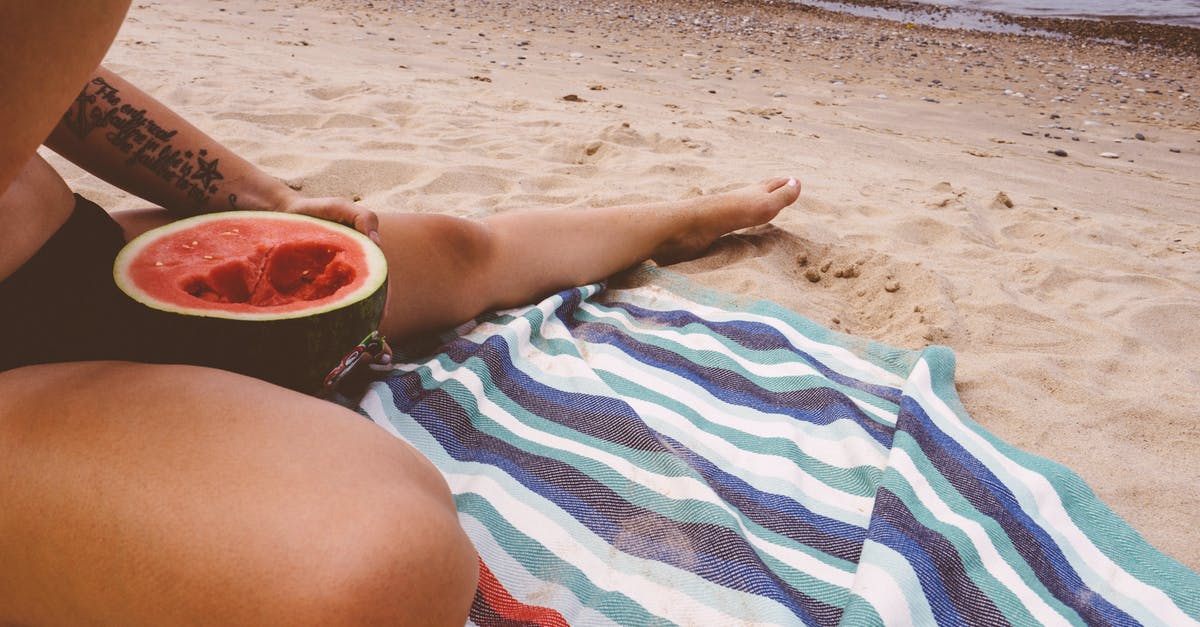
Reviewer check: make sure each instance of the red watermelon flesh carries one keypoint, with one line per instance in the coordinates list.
(237, 265)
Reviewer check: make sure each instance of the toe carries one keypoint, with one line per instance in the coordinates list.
(787, 192)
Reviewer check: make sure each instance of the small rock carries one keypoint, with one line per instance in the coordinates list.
(573, 98)
(1002, 200)
(576, 55)
(357, 198)
(812, 275)
(1140, 137)
(1175, 150)
(892, 286)
(835, 320)
(597, 87)
(825, 266)
(1110, 155)
(1058, 152)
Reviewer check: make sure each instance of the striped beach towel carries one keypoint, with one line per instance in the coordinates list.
(662, 454)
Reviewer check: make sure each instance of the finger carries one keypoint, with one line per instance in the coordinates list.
(367, 222)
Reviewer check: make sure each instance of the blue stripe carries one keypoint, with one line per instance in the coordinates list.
(757, 336)
(990, 497)
(714, 552)
(614, 421)
(819, 405)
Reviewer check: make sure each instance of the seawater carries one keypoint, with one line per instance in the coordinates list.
(1183, 12)
(974, 14)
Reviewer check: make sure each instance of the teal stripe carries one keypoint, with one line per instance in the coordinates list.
(1109, 533)
(712, 358)
(1008, 601)
(860, 481)
(546, 566)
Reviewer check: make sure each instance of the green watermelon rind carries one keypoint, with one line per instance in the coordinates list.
(292, 349)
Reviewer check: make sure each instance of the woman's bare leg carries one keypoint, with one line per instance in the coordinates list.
(446, 270)
(160, 495)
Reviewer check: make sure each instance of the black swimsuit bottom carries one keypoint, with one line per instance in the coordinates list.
(63, 304)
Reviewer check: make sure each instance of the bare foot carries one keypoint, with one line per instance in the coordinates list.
(714, 216)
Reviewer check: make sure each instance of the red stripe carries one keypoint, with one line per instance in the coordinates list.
(502, 603)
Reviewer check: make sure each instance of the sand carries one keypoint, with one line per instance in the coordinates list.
(934, 209)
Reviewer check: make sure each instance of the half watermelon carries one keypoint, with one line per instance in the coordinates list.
(280, 297)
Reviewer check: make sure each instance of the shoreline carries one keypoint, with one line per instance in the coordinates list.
(1129, 31)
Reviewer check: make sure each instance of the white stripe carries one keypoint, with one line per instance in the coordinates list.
(876, 586)
(678, 488)
(705, 342)
(853, 449)
(524, 585)
(830, 355)
(615, 570)
(1048, 507)
(989, 557)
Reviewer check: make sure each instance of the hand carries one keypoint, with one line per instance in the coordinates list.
(337, 210)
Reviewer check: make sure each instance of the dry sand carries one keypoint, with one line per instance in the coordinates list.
(933, 212)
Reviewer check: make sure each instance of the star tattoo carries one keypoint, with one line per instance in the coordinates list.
(207, 172)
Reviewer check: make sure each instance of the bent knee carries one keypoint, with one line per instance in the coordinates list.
(409, 564)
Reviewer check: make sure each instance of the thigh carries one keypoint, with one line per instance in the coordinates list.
(138, 494)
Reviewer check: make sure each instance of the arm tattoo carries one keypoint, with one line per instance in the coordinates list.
(145, 143)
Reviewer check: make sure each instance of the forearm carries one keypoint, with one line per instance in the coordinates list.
(124, 136)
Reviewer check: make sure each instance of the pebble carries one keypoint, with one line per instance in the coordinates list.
(1110, 155)
(847, 273)
(1175, 150)
(1058, 153)
(891, 286)
(812, 275)
(1140, 137)
(573, 98)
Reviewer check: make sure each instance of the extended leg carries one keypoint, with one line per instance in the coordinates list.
(447, 270)
(162, 495)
